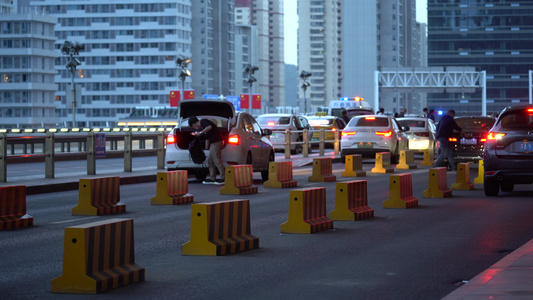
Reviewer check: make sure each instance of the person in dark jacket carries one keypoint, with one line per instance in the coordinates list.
(214, 137)
(345, 117)
(445, 130)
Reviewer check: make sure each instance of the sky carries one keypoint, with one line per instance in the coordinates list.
(291, 27)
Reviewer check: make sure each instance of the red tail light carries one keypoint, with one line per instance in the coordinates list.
(370, 118)
(384, 133)
(426, 134)
(233, 139)
(530, 110)
(171, 139)
(495, 136)
(271, 123)
(333, 129)
(452, 139)
(347, 133)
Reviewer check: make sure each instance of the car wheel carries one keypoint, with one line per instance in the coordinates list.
(507, 187)
(343, 156)
(395, 158)
(297, 148)
(491, 188)
(264, 174)
(248, 159)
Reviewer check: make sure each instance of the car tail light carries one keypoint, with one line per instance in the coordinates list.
(233, 139)
(384, 133)
(171, 139)
(347, 133)
(333, 129)
(495, 136)
(490, 173)
(271, 123)
(483, 139)
(370, 118)
(452, 139)
(426, 134)
(530, 110)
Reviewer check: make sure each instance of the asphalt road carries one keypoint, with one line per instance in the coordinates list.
(419, 253)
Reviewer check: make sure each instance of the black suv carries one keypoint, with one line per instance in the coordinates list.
(469, 148)
(508, 154)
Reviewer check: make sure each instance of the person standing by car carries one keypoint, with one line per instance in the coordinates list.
(345, 117)
(444, 131)
(214, 138)
(402, 113)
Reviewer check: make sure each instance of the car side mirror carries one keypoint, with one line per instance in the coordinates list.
(405, 128)
(267, 131)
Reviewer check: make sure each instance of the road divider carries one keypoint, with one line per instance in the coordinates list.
(220, 228)
(322, 170)
(407, 160)
(428, 159)
(351, 202)
(172, 188)
(463, 178)
(99, 196)
(98, 257)
(13, 208)
(383, 165)
(280, 175)
(354, 166)
(400, 192)
(307, 211)
(480, 173)
(239, 180)
(437, 184)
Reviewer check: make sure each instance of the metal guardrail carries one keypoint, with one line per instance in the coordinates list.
(42, 147)
(305, 142)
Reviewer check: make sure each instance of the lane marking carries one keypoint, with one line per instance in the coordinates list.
(74, 220)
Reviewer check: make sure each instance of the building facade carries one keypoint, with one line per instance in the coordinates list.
(495, 36)
(129, 57)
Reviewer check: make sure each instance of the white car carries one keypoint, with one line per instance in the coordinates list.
(370, 134)
(278, 123)
(421, 133)
(245, 142)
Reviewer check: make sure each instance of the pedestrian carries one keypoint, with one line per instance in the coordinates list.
(214, 138)
(445, 131)
(381, 111)
(402, 113)
(345, 117)
(431, 115)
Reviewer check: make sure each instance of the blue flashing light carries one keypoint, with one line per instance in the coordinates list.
(440, 112)
(345, 98)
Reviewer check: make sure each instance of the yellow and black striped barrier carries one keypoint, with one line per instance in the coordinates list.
(407, 160)
(172, 188)
(400, 192)
(307, 211)
(239, 180)
(480, 179)
(220, 228)
(99, 196)
(98, 257)
(322, 170)
(463, 178)
(280, 175)
(428, 159)
(383, 165)
(353, 166)
(351, 202)
(13, 208)
(437, 184)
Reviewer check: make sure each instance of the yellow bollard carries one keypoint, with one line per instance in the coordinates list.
(400, 192)
(322, 170)
(220, 228)
(438, 184)
(239, 180)
(480, 173)
(99, 196)
(463, 178)
(307, 211)
(280, 175)
(428, 158)
(353, 166)
(351, 202)
(407, 160)
(383, 163)
(172, 188)
(13, 208)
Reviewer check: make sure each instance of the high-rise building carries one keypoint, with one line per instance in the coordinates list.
(213, 47)
(267, 17)
(27, 59)
(129, 57)
(495, 36)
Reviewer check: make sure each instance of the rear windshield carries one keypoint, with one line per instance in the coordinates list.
(273, 120)
(412, 123)
(219, 121)
(370, 122)
(357, 112)
(475, 123)
(320, 121)
(517, 119)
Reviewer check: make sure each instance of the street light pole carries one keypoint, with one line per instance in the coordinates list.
(72, 49)
(305, 76)
(182, 63)
(251, 79)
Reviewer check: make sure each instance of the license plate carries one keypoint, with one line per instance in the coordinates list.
(468, 141)
(525, 147)
(365, 145)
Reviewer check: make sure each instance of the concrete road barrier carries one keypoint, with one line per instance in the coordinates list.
(99, 196)
(463, 178)
(351, 202)
(322, 170)
(407, 160)
(480, 173)
(239, 180)
(400, 192)
(353, 166)
(220, 228)
(307, 211)
(428, 159)
(172, 188)
(383, 165)
(98, 257)
(437, 184)
(280, 175)
(13, 208)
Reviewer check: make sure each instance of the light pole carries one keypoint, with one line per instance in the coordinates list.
(72, 49)
(182, 63)
(305, 76)
(249, 70)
